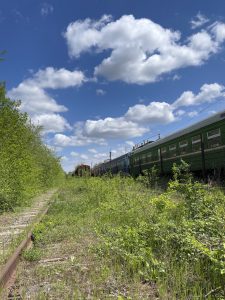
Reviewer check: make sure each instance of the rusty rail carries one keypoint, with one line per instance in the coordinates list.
(10, 266)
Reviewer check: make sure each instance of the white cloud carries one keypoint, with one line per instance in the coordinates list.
(139, 118)
(46, 9)
(92, 150)
(179, 113)
(198, 21)
(64, 158)
(218, 30)
(57, 79)
(176, 77)
(130, 143)
(55, 149)
(100, 156)
(100, 92)
(192, 114)
(63, 140)
(208, 93)
(35, 100)
(51, 122)
(84, 156)
(113, 128)
(73, 153)
(86, 33)
(155, 112)
(141, 50)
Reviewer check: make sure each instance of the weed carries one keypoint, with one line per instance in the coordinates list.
(32, 254)
(126, 240)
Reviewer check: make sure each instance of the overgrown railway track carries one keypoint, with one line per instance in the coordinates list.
(17, 236)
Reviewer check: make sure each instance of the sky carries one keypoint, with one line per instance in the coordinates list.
(102, 76)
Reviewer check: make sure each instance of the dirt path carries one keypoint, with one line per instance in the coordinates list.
(14, 225)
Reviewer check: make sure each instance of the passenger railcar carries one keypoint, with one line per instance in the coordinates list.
(201, 145)
(113, 166)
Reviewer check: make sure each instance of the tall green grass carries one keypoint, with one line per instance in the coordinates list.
(176, 239)
(169, 242)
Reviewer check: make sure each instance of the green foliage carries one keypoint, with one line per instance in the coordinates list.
(32, 254)
(27, 166)
(181, 172)
(149, 178)
(176, 238)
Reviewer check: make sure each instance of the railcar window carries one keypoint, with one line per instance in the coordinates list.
(173, 150)
(183, 145)
(196, 139)
(143, 158)
(172, 147)
(214, 138)
(149, 157)
(196, 143)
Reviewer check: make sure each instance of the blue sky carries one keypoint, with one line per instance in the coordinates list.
(104, 75)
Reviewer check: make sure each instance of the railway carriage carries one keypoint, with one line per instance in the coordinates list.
(114, 166)
(201, 145)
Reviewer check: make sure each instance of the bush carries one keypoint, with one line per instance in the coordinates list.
(27, 166)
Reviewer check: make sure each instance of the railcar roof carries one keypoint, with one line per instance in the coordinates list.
(213, 119)
(121, 157)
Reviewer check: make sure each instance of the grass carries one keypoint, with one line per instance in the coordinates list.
(112, 238)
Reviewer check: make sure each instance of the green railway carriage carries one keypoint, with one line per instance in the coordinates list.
(201, 145)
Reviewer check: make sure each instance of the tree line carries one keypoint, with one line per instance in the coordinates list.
(27, 166)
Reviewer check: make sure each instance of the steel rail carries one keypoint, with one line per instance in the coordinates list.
(10, 267)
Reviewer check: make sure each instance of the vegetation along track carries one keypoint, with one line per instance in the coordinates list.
(113, 238)
(16, 235)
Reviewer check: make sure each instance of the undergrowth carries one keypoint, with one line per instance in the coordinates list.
(172, 240)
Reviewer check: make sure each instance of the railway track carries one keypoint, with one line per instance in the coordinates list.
(15, 236)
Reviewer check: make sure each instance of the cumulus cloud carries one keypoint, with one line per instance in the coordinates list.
(113, 128)
(208, 93)
(63, 140)
(134, 123)
(218, 30)
(198, 21)
(155, 112)
(139, 118)
(141, 50)
(56, 79)
(51, 122)
(35, 100)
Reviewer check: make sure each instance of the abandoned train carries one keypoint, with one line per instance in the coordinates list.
(201, 145)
